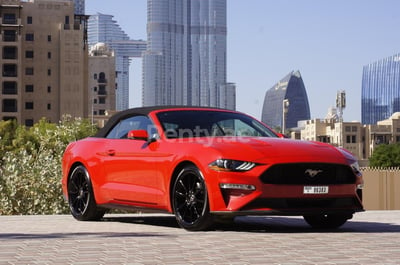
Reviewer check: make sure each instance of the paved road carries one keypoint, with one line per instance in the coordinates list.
(372, 237)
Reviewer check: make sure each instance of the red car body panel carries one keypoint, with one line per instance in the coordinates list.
(138, 173)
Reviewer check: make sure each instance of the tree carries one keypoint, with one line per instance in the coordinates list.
(386, 155)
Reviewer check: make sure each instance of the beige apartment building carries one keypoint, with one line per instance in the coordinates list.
(102, 84)
(360, 139)
(44, 61)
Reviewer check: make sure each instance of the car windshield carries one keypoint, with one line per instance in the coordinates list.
(206, 123)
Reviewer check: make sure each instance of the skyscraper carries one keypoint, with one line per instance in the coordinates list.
(185, 60)
(380, 90)
(103, 28)
(79, 6)
(292, 89)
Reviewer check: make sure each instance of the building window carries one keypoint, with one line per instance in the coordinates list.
(95, 101)
(29, 20)
(28, 105)
(49, 55)
(67, 20)
(10, 105)
(29, 37)
(351, 139)
(10, 52)
(48, 89)
(102, 78)
(9, 18)
(102, 112)
(49, 72)
(102, 90)
(9, 70)
(9, 88)
(10, 35)
(354, 128)
(102, 100)
(49, 106)
(48, 38)
(29, 54)
(95, 76)
(28, 88)
(29, 71)
(7, 118)
(29, 122)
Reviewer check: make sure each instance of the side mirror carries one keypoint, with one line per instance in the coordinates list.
(138, 135)
(281, 135)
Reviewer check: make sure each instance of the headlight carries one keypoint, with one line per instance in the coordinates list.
(231, 165)
(356, 168)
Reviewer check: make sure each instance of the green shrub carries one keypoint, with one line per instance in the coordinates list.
(30, 165)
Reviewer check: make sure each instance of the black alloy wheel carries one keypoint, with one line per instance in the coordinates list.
(190, 200)
(327, 221)
(81, 199)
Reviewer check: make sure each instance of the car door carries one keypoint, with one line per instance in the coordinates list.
(129, 165)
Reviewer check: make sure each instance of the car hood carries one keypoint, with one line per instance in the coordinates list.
(264, 149)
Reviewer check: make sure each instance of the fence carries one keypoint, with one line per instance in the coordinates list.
(381, 188)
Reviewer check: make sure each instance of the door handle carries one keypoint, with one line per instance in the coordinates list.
(111, 152)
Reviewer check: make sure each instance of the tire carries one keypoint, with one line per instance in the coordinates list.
(327, 221)
(81, 199)
(190, 200)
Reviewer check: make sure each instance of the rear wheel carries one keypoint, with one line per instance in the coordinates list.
(327, 221)
(190, 200)
(81, 199)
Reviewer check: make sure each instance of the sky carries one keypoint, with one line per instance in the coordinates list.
(329, 42)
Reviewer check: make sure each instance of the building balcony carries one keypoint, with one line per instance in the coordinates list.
(10, 22)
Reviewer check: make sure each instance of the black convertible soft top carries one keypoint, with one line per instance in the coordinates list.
(138, 111)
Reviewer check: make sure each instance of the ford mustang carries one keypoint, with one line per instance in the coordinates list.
(206, 165)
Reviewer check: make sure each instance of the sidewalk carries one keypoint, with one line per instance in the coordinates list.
(371, 237)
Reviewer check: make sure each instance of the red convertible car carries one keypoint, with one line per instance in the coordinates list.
(205, 165)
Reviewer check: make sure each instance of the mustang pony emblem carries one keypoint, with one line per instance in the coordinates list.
(312, 172)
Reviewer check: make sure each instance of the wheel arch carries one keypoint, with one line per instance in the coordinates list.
(174, 175)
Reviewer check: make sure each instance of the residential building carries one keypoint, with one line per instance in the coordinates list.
(185, 60)
(101, 83)
(103, 28)
(359, 139)
(43, 51)
(380, 96)
(286, 103)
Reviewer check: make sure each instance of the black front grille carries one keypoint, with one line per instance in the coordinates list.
(308, 174)
(303, 204)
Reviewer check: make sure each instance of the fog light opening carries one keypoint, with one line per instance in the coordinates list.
(234, 186)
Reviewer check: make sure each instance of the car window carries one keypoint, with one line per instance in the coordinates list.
(182, 124)
(140, 122)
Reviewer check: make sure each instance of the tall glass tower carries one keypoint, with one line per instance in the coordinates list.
(185, 61)
(380, 90)
(79, 6)
(291, 89)
(103, 28)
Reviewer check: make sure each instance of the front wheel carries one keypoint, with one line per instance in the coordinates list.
(190, 200)
(81, 199)
(327, 221)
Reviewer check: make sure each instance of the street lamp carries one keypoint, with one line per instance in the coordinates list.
(285, 108)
